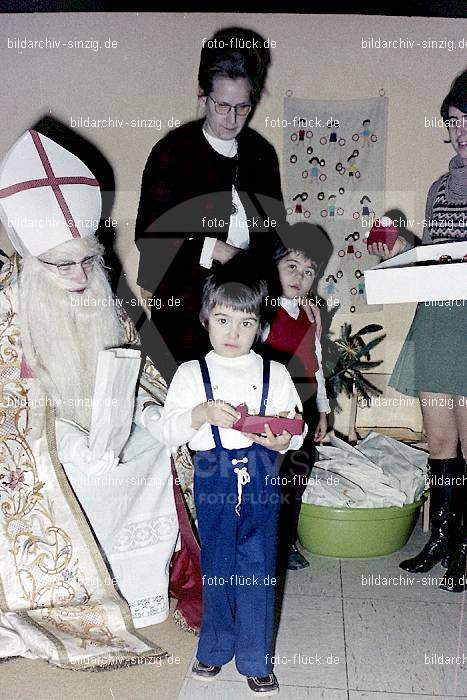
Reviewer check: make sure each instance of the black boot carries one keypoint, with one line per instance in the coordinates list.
(445, 514)
(455, 577)
(296, 560)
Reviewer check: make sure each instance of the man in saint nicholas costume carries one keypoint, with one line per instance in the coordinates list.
(86, 541)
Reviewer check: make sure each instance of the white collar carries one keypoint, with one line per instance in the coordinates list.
(292, 306)
(241, 361)
(226, 148)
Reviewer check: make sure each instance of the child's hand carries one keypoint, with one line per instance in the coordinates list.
(274, 442)
(321, 428)
(218, 413)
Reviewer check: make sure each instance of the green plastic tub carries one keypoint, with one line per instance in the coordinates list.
(356, 533)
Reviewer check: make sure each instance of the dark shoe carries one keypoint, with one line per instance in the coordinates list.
(204, 673)
(264, 685)
(295, 560)
(445, 515)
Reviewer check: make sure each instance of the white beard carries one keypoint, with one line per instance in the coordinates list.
(61, 342)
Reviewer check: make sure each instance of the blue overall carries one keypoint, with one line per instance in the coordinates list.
(237, 508)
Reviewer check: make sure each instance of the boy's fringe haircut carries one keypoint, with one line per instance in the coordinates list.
(234, 295)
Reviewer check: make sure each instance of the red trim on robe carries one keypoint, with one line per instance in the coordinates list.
(185, 583)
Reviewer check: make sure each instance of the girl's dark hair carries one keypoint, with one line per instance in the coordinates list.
(456, 97)
(310, 240)
(225, 56)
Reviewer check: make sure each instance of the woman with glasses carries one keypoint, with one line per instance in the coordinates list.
(210, 189)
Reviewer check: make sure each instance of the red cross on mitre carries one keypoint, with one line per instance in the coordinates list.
(47, 195)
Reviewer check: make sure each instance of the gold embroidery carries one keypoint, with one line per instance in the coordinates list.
(87, 622)
(50, 579)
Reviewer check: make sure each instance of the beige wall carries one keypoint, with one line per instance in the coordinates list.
(151, 74)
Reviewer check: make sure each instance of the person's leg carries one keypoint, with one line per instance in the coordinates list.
(293, 466)
(455, 576)
(442, 433)
(460, 416)
(255, 567)
(304, 465)
(300, 466)
(301, 463)
(439, 421)
(214, 488)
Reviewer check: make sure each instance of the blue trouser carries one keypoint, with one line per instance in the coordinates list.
(237, 520)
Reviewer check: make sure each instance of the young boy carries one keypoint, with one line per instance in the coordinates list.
(293, 338)
(236, 489)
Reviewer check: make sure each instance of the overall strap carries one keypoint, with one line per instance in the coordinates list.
(266, 375)
(209, 397)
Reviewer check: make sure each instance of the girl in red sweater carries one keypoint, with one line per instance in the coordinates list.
(293, 338)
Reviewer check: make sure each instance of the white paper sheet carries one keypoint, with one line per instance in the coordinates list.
(378, 472)
(114, 399)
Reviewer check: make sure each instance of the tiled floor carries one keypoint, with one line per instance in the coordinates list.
(346, 634)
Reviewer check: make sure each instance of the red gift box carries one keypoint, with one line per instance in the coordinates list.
(256, 424)
(381, 233)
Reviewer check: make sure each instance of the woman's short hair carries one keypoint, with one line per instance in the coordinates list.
(238, 296)
(234, 52)
(456, 97)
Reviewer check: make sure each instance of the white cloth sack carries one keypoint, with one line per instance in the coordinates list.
(326, 488)
(385, 470)
(405, 463)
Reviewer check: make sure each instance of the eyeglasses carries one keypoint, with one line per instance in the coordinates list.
(66, 269)
(224, 108)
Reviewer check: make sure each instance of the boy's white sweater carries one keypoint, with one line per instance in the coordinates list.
(235, 380)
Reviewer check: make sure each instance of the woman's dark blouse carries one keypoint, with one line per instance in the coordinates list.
(184, 180)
